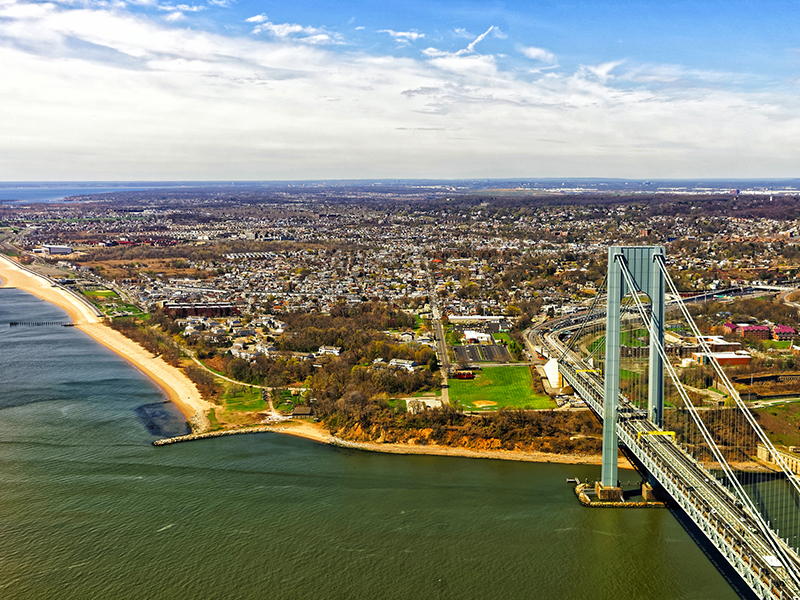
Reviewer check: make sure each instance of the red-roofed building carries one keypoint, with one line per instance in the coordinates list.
(783, 333)
(758, 332)
(730, 327)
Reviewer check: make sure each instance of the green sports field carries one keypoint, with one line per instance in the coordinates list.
(497, 387)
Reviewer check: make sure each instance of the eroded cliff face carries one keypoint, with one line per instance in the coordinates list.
(455, 437)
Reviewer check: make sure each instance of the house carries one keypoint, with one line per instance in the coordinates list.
(303, 412)
(238, 351)
(402, 363)
(330, 350)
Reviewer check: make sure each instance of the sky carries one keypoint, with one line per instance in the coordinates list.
(215, 90)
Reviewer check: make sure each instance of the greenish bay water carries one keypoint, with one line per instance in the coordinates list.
(89, 509)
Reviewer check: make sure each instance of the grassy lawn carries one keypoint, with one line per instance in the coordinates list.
(776, 344)
(129, 308)
(502, 337)
(781, 423)
(108, 302)
(397, 403)
(239, 398)
(504, 387)
(625, 375)
(212, 417)
(598, 343)
(100, 293)
(634, 338)
(453, 337)
(284, 402)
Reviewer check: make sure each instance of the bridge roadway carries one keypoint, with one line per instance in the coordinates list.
(717, 513)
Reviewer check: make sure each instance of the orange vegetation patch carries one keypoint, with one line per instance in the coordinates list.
(482, 403)
(216, 363)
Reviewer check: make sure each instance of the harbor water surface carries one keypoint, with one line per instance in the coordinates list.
(90, 509)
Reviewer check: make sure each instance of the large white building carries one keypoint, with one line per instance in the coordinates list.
(53, 249)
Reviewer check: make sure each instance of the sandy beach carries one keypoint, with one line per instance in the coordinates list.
(178, 387)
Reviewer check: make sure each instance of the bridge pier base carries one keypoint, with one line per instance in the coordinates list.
(608, 493)
(648, 493)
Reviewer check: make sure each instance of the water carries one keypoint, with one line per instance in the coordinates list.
(53, 193)
(89, 509)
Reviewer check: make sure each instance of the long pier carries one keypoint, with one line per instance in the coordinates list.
(40, 324)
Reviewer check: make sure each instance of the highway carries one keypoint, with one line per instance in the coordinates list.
(763, 561)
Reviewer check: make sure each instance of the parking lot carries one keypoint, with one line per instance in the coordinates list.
(473, 353)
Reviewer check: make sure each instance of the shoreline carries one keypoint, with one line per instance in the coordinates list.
(180, 390)
(315, 432)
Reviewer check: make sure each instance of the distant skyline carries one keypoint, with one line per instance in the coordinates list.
(226, 90)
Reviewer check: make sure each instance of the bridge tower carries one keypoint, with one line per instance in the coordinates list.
(648, 279)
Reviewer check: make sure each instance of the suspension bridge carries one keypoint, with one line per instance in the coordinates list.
(711, 456)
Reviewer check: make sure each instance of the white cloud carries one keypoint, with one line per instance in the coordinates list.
(181, 7)
(539, 54)
(434, 52)
(602, 71)
(257, 18)
(300, 33)
(139, 98)
(403, 37)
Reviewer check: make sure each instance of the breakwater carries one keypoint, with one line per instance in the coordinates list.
(214, 434)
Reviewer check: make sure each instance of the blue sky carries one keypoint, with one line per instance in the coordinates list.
(225, 89)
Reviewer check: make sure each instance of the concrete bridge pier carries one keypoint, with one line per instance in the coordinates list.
(608, 493)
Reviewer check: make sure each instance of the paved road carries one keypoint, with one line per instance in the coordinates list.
(441, 345)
